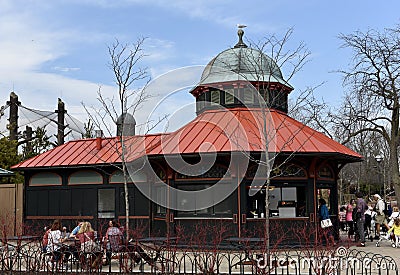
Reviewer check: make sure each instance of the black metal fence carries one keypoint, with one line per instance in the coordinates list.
(28, 256)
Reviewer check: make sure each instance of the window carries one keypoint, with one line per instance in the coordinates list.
(284, 202)
(229, 96)
(193, 201)
(325, 172)
(85, 177)
(325, 193)
(106, 203)
(248, 97)
(45, 178)
(161, 196)
(160, 173)
(118, 177)
(201, 101)
(264, 92)
(215, 97)
(288, 170)
(217, 171)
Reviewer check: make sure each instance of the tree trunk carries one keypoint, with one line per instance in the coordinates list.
(126, 190)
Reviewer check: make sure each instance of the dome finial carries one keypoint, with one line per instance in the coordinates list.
(240, 33)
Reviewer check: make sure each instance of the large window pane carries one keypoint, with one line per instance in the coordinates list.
(221, 208)
(106, 203)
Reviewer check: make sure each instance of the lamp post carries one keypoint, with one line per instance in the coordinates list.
(379, 159)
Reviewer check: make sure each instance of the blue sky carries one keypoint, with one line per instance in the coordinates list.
(51, 49)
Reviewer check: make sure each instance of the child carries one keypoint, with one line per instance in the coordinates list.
(396, 230)
(45, 239)
(342, 218)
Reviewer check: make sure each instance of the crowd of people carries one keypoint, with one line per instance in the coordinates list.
(86, 239)
(375, 219)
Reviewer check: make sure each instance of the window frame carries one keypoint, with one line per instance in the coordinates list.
(57, 176)
(85, 183)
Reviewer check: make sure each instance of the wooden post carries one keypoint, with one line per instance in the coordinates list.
(28, 139)
(60, 122)
(13, 119)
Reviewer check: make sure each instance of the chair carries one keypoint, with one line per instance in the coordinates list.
(90, 261)
(89, 255)
(114, 247)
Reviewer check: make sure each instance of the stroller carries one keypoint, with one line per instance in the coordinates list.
(369, 225)
(387, 237)
(394, 240)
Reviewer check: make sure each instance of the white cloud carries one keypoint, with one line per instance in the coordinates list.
(27, 44)
(64, 69)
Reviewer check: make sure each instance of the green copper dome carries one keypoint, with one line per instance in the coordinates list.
(242, 63)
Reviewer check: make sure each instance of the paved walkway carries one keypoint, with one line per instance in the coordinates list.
(385, 248)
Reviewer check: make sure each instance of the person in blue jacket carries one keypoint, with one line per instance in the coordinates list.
(323, 215)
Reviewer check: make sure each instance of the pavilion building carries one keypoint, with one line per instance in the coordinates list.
(242, 113)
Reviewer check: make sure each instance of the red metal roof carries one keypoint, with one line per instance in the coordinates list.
(241, 129)
(86, 152)
(222, 130)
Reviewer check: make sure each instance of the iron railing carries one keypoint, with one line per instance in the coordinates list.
(29, 257)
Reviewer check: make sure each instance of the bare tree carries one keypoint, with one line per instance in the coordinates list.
(372, 100)
(291, 61)
(260, 66)
(125, 64)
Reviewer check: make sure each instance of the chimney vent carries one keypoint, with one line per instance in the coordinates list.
(99, 139)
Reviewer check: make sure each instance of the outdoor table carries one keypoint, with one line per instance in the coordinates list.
(68, 247)
(160, 241)
(253, 242)
(158, 244)
(20, 241)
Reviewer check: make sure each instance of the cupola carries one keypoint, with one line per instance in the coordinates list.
(242, 76)
(126, 125)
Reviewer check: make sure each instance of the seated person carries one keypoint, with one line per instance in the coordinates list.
(112, 240)
(64, 233)
(74, 231)
(54, 239)
(45, 239)
(86, 238)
